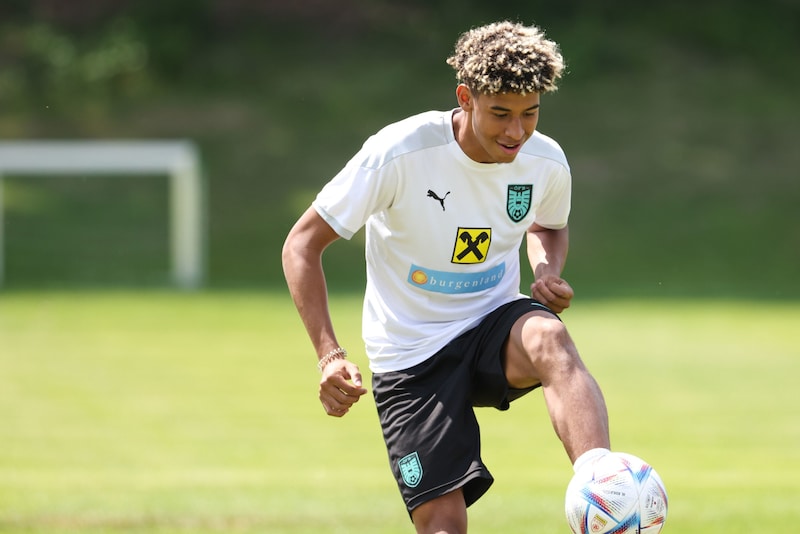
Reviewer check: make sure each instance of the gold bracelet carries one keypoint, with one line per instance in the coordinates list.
(336, 354)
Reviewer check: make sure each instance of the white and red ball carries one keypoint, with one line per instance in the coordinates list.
(617, 493)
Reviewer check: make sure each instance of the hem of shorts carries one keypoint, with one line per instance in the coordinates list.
(458, 483)
(378, 368)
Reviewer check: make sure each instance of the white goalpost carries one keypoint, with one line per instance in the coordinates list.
(178, 160)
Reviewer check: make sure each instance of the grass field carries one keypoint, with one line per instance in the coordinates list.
(161, 412)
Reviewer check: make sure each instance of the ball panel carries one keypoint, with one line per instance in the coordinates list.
(617, 493)
(653, 503)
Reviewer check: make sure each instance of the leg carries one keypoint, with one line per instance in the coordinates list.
(540, 351)
(444, 515)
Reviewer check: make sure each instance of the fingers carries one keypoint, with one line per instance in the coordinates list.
(340, 387)
(554, 293)
(337, 403)
(560, 288)
(355, 377)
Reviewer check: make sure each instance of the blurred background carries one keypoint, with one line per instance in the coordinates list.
(679, 120)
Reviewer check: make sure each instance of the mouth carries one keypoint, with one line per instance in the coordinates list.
(510, 148)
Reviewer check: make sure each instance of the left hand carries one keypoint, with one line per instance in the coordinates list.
(553, 292)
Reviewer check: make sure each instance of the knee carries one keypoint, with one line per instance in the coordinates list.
(443, 515)
(539, 348)
(546, 338)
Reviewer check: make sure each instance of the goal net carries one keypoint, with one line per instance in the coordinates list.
(177, 160)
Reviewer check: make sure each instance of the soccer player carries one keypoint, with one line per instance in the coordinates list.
(447, 198)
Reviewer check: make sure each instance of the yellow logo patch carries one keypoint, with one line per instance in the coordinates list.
(472, 245)
(597, 524)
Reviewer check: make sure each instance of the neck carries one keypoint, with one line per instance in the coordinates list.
(461, 131)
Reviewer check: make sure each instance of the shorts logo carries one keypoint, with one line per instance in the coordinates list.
(518, 202)
(472, 245)
(410, 469)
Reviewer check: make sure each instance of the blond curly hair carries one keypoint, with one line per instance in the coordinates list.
(507, 57)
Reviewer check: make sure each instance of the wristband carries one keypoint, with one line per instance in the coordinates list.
(336, 354)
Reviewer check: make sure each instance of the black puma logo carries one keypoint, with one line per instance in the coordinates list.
(434, 195)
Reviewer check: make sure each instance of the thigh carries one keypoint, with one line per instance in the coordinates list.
(487, 344)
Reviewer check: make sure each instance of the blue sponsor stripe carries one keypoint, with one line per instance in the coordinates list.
(455, 283)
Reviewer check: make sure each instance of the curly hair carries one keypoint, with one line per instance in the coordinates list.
(507, 57)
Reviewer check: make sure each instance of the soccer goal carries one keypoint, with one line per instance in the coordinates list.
(178, 160)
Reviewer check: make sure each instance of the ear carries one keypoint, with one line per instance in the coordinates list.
(464, 97)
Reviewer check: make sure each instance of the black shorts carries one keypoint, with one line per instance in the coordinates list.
(427, 415)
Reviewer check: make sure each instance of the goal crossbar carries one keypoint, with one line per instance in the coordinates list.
(176, 159)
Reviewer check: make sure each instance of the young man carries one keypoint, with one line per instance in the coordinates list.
(446, 199)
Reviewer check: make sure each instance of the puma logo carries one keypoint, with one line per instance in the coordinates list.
(434, 195)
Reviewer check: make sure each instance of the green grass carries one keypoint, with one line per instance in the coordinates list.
(161, 412)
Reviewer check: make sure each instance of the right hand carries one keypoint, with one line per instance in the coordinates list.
(340, 387)
(554, 292)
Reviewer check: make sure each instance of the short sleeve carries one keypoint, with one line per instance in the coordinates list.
(553, 212)
(361, 189)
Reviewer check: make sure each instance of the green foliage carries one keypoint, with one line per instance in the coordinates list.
(678, 122)
(53, 67)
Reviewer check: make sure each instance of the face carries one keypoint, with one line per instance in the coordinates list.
(494, 127)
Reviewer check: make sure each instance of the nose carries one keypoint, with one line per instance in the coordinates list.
(514, 129)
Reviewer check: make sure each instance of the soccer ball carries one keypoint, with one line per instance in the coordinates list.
(617, 493)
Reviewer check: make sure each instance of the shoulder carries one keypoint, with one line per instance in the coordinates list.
(410, 135)
(542, 146)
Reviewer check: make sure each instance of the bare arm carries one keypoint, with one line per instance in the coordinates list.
(547, 253)
(340, 386)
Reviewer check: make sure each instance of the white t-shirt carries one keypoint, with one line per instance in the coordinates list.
(443, 232)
